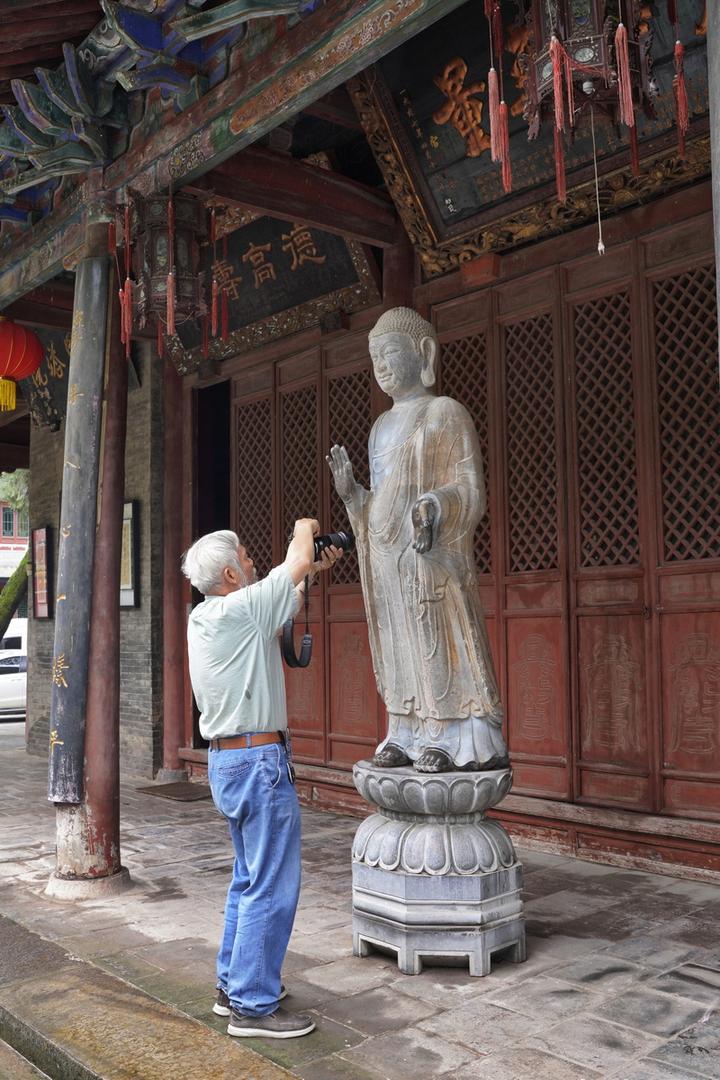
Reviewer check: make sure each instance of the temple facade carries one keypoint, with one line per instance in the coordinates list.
(267, 187)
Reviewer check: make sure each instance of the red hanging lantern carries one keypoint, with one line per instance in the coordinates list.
(21, 353)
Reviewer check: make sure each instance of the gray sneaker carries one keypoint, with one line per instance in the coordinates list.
(222, 1003)
(278, 1025)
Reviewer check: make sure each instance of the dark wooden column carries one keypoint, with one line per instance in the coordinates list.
(173, 607)
(102, 727)
(77, 524)
(84, 738)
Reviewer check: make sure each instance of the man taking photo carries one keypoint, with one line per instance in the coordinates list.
(237, 678)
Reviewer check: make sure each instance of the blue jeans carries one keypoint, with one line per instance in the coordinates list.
(252, 789)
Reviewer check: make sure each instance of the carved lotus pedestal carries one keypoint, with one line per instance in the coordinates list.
(432, 876)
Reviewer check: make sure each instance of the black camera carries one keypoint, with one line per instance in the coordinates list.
(344, 540)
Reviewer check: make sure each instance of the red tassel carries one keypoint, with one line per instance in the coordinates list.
(214, 307)
(556, 55)
(127, 240)
(682, 106)
(160, 342)
(205, 342)
(494, 112)
(225, 314)
(497, 32)
(121, 298)
(622, 59)
(127, 314)
(570, 87)
(170, 305)
(171, 232)
(672, 12)
(505, 148)
(634, 151)
(560, 167)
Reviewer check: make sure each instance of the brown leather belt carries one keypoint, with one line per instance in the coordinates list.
(241, 742)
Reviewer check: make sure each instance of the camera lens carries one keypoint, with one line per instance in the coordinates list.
(344, 540)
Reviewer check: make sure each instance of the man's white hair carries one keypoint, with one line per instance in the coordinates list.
(204, 562)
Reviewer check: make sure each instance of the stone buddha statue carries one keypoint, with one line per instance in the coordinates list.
(414, 531)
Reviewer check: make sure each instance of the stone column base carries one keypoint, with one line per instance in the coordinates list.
(88, 888)
(432, 876)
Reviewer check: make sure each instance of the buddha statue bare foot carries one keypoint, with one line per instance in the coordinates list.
(390, 757)
(497, 761)
(434, 760)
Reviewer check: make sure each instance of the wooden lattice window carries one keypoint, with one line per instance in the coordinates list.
(350, 415)
(531, 449)
(686, 347)
(299, 422)
(464, 377)
(253, 479)
(607, 473)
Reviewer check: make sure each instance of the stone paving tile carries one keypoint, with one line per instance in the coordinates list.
(648, 1010)
(545, 997)
(598, 971)
(697, 1049)
(564, 905)
(378, 1010)
(481, 1027)
(351, 976)
(328, 1038)
(594, 1043)
(408, 1054)
(691, 981)
(335, 944)
(333, 1068)
(649, 951)
(303, 995)
(688, 930)
(653, 1070)
(521, 1064)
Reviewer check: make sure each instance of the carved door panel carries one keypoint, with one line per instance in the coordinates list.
(355, 713)
(683, 317)
(298, 482)
(611, 632)
(464, 375)
(252, 467)
(533, 551)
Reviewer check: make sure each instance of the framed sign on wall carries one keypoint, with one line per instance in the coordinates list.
(41, 566)
(129, 577)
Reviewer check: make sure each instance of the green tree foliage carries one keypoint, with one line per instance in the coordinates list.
(13, 592)
(14, 489)
(14, 492)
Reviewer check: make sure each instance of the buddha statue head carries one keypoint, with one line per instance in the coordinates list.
(404, 349)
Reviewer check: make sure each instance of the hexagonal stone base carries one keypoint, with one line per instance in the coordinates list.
(452, 917)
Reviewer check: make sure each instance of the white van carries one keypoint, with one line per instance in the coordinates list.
(16, 636)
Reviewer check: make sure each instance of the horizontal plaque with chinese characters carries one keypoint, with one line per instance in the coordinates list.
(275, 278)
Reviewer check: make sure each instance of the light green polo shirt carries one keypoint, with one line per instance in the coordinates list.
(234, 655)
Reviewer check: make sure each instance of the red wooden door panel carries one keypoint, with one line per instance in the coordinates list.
(611, 633)
(533, 553)
(298, 442)
(683, 309)
(355, 717)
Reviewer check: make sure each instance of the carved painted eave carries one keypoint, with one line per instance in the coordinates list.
(77, 117)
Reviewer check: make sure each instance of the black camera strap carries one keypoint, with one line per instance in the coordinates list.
(288, 637)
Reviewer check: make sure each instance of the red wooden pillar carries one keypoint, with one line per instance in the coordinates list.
(173, 606)
(102, 735)
(398, 272)
(88, 833)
